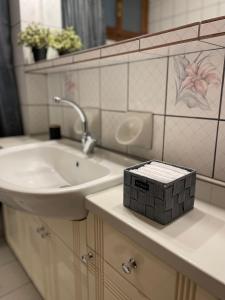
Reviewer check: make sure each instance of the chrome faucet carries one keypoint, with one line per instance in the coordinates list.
(88, 142)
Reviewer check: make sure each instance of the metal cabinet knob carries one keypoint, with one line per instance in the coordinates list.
(45, 234)
(129, 266)
(40, 229)
(87, 257)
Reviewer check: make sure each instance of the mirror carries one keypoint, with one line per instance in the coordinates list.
(100, 22)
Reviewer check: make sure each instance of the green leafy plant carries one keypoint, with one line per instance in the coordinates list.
(65, 40)
(34, 36)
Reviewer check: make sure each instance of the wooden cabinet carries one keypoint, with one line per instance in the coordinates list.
(37, 253)
(89, 260)
(125, 18)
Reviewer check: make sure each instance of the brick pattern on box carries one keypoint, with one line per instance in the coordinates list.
(160, 202)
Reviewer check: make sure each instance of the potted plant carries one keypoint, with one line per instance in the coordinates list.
(36, 37)
(65, 41)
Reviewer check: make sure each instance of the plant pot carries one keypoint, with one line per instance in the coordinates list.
(39, 53)
(63, 52)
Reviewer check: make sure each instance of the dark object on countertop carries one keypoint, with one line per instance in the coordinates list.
(161, 202)
(54, 132)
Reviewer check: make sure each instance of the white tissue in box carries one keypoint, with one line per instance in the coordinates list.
(161, 172)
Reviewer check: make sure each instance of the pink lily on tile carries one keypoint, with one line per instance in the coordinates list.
(193, 80)
(199, 77)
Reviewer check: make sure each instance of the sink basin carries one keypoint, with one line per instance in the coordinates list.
(52, 178)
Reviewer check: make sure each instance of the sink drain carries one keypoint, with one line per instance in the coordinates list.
(64, 186)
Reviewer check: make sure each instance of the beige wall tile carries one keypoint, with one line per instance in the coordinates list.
(114, 87)
(147, 85)
(191, 143)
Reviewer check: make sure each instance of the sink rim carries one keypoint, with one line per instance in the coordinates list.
(71, 147)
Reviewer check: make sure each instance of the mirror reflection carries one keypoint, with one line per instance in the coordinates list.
(100, 22)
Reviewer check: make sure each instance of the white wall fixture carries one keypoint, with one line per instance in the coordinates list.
(135, 129)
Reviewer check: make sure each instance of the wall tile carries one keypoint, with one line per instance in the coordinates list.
(194, 84)
(55, 115)
(31, 11)
(109, 120)
(191, 143)
(94, 124)
(55, 87)
(36, 119)
(37, 92)
(89, 87)
(157, 142)
(114, 87)
(48, 17)
(147, 85)
(220, 153)
(70, 116)
(70, 86)
(120, 48)
(222, 112)
(21, 83)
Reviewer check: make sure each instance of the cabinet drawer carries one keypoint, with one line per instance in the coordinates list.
(151, 276)
(116, 287)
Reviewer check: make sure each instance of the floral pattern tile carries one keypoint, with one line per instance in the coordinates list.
(191, 142)
(194, 84)
(70, 86)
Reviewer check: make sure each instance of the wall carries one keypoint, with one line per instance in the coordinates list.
(22, 13)
(165, 14)
(183, 92)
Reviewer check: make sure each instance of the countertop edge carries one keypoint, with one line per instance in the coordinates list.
(203, 279)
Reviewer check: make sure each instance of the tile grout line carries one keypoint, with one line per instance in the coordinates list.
(8, 263)
(218, 121)
(19, 287)
(165, 109)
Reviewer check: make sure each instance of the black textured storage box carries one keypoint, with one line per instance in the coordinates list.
(161, 202)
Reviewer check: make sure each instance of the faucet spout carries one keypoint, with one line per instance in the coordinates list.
(78, 109)
(88, 142)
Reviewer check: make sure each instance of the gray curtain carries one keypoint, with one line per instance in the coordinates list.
(10, 117)
(86, 16)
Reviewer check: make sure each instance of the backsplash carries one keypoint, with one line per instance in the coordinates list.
(183, 92)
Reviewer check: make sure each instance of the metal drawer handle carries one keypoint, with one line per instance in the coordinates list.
(129, 266)
(87, 257)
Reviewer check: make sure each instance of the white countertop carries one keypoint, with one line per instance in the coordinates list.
(193, 244)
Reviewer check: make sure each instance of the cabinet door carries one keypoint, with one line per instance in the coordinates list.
(37, 250)
(61, 270)
(12, 228)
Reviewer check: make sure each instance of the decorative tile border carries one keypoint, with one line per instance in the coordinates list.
(120, 48)
(169, 37)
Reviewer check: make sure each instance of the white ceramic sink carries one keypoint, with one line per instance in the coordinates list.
(52, 178)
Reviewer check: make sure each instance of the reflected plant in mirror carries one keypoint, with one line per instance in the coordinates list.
(65, 41)
(36, 37)
(193, 79)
